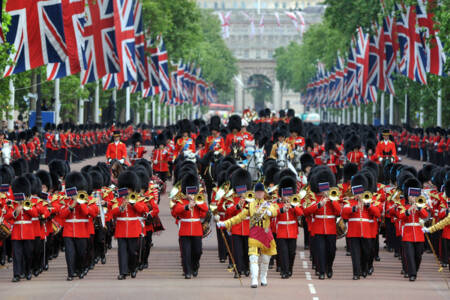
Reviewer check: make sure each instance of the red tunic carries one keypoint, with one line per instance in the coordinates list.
(323, 217)
(189, 220)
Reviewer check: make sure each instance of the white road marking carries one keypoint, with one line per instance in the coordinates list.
(302, 255)
(312, 289)
(308, 275)
(305, 264)
(315, 298)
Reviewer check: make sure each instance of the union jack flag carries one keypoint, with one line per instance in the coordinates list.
(37, 33)
(339, 83)
(153, 71)
(100, 54)
(163, 67)
(362, 65)
(436, 56)
(2, 37)
(391, 49)
(141, 60)
(74, 19)
(377, 59)
(350, 78)
(124, 20)
(412, 50)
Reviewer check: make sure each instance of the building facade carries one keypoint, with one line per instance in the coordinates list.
(253, 31)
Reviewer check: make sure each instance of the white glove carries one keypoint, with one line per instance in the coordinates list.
(269, 213)
(220, 224)
(155, 162)
(109, 160)
(426, 229)
(380, 159)
(122, 161)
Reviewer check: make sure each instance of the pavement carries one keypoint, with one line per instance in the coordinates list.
(164, 280)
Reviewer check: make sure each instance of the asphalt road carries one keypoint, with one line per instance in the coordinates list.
(164, 280)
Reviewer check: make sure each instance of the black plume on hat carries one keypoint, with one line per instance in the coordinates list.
(129, 180)
(21, 185)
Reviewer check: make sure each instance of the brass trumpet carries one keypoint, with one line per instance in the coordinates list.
(249, 196)
(27, 205)
(366, 197)
(133, 198)
(421, 201)
(82, 197)
(334, 194)
(294, 200)
(199, 198)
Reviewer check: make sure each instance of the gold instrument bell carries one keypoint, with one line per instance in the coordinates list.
(295, 200)
(27, 205)
(199, 198)
(421, 201)
(366, 197)
(82, 197)
(133, 198)
(334, 194)
(249, 196)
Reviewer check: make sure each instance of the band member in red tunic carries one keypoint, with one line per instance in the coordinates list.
(160, 158)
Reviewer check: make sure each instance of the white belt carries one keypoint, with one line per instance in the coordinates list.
(128, 219)
(34, 219)
(413, 224)
(22, 222)
(324, 217)
(190, 220)
(77, 220)
(287, 222)
(221, 214)
(360, 220)
(331, 165)
(248, 218)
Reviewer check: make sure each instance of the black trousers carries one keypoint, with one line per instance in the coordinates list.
(221, 244)
(306, 239)
(445, 250)
(360, 249)
(326, 251)
(240, 252)
(100, 242)
(286, 254)
(22, 256)
(147, 246)
(191, 252)
(413, 256)
(162, 175)
(76, 252)
(91, 250)
(390, 233)
(128, 254)
(38, 253)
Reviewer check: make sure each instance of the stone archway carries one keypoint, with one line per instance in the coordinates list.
(249, 69)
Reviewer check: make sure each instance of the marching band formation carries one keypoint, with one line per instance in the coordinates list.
(258, 178)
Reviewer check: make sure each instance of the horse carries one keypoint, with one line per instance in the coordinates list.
(282, 156)
(236, 151)
(254, 159)
(298, 152)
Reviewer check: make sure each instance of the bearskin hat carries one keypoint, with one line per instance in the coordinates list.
(88, 178)
(425, 173)
(214, 123)
(200, 140)
(290, 113)
(402, 178)
(189, 179)
(350, 169)
(76, 179)
(309, 143)
(57, 167)
(410, 183)
(330, 145)
(287, 172)
(270, 162)
(447, 188)
(235, 122)
(35, 183)
(241, 177)
(143, 178)
(296, 125)
(322, 175)
(185, 126)
(21, 185)
(97, 179)
(20, 166)
(371, 144)
(306, 160)
(45, 178)
(371, 179)
(278, 133)
(129, 180)
(221, 178)
(231, 170)
(6, 174)
(282, 113)
(373, 166)
(136, 137)
(269, 175)
(360, 179)
(267, 112)
(287, 182)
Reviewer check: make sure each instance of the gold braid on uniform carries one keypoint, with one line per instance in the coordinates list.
(440, 225)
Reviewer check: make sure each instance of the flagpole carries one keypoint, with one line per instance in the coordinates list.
(391, 109)
(153, 111)
(114, 97)
(146, 111)
(382, 109)
(57, 101)
(343, 116)
(359, 114)
(406, 108)
(11, 105)
(354, 114)
(439, 106)
(96, 103)
(127, 104)
(365, 115)
(159, 113)
(81, 109)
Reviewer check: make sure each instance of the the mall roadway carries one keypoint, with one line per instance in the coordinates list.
(163, 280)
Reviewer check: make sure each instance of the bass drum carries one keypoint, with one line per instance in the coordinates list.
(341, 228)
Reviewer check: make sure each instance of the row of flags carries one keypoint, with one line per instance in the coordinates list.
(100, 40)
(296, 17)
(406, 43)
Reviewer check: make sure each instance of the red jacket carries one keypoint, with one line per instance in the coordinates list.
(138, 153)
(360, 221)
(43, 213)
(184, 144)
(286, 222)
(242, 228)
(160, 159)
(153, 194)
(118, 151)
(215, 144)
(189, 219)
(23, 228)
(386, 150)
(75, 221)
(323, 217)
(233, 138)
(356, 157)
(412, 229)
(129, 223)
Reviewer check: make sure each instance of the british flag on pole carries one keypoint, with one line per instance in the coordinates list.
(125, 38)
(163, 64)
(153, 73)
(74, 19)
(100, 53)
(37, 33)
(390, 51)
